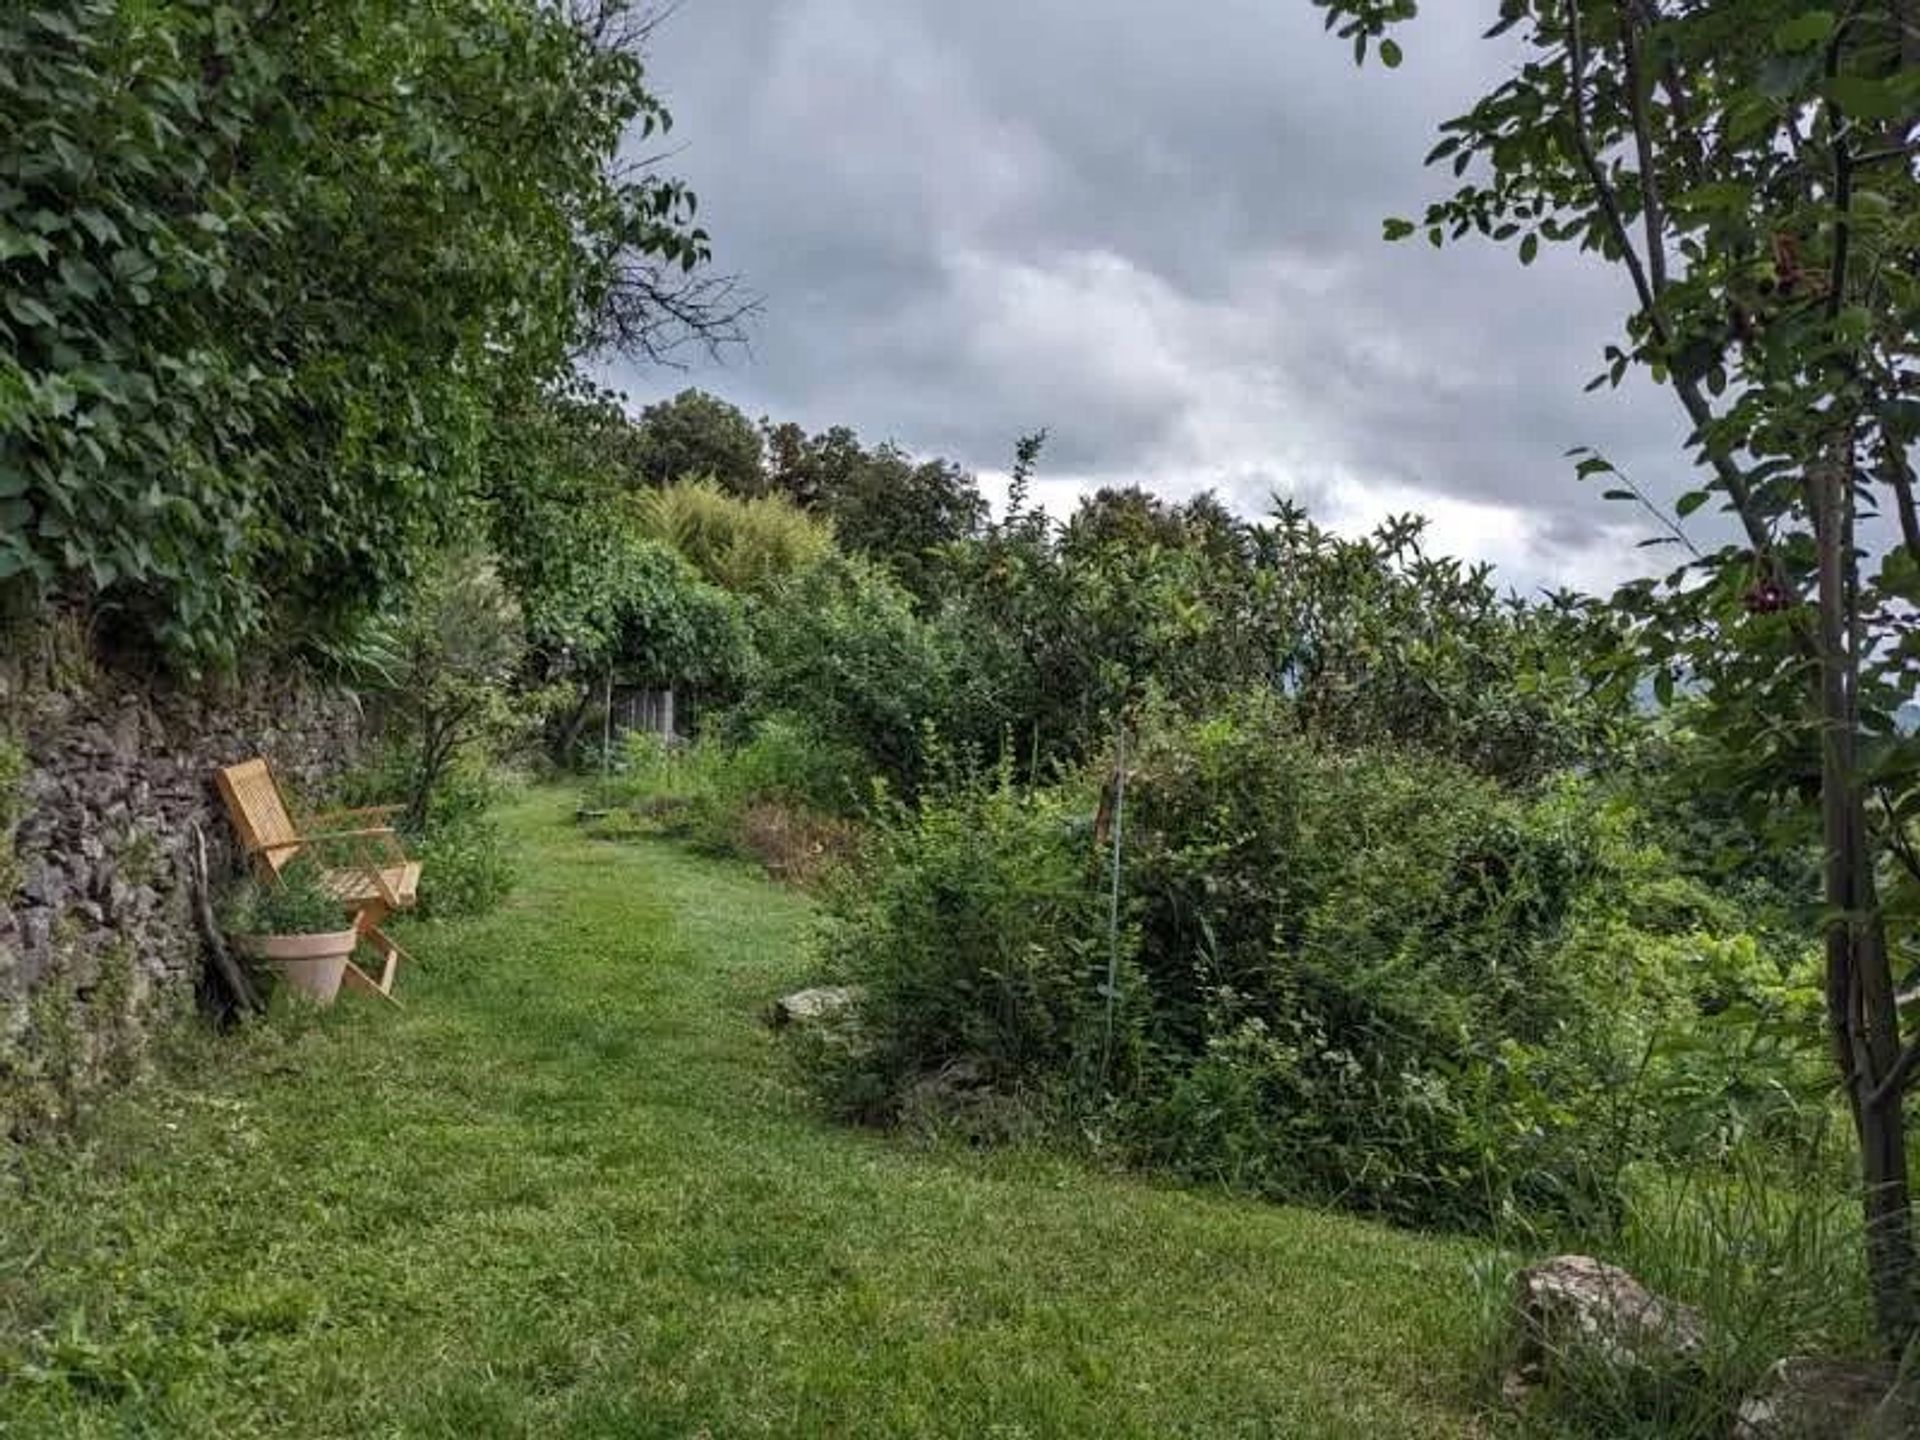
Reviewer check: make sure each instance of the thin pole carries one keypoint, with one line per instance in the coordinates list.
(606, 733)
(1112, 987)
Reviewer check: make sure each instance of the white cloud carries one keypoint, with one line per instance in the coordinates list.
(1160, 239)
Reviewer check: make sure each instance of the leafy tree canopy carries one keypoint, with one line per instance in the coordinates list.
(266, 271)
(1749, 168)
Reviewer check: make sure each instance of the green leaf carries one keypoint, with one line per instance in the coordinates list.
(1863, 97)
(29, 311)
(1529, 248)
(1689, 502)
(1395, 229)
(1390, 55)
(1803, 32)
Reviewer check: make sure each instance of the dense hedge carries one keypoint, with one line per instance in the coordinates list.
(1372, 976)
(266, 271)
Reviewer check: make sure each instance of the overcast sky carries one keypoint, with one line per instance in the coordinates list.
(1153, 229)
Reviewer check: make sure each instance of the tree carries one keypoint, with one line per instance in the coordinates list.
(1749, 168)
(600, 595)
(883, 503)
(697, 434)
(461, 643)
(267, 272)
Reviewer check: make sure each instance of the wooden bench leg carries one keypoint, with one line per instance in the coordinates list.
(386, 942)
(358, 979)
(367, 922)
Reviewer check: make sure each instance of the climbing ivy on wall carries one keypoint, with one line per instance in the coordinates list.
(267, 267)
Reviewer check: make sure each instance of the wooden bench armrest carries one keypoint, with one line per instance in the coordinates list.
(329, 817)
(297, 841)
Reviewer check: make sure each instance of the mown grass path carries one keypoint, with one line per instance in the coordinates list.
(571, 1190)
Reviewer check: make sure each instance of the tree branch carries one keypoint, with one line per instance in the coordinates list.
(1898, 1078)
(1731, 478)
(1652, 212)
(1604, 190)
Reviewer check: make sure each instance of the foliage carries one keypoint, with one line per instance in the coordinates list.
(466, 867)
(1373, 639)
(1356, 970)
(976, 934)
(266, 270)
(294, 902)
(1748, 167)
(841, 647)
(602, 600)
(743, 545)
(696, 434)
(462, 644)
(1370, 976)
(883, 504)
(590, 1098)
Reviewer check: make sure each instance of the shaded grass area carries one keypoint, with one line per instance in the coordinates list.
(572, 1189)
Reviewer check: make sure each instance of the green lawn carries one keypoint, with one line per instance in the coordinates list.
(572, 1190)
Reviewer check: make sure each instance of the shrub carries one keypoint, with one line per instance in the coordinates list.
(783, 797)
(295, 902)
(464, 865)
(842, 650)
(977, 928)
(1375, 977)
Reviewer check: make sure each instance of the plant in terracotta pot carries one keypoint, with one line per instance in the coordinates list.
(295, 925)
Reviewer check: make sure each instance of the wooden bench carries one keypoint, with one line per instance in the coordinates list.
(361, 862)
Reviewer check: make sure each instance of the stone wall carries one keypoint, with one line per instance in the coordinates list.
(102, 779)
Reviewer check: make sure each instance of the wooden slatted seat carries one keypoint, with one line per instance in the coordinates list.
(355, 887)
(359, 855)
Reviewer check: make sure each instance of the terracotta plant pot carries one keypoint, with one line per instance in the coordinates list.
(311, 964)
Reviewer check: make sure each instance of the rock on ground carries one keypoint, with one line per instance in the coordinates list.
(1808, 1398)
(1575, 1305)
(820, 1004)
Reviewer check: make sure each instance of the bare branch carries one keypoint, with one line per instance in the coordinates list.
(1604, 190)
(1652, 211)
(652, 310)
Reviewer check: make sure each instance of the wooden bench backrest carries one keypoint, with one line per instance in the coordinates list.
(259, 813)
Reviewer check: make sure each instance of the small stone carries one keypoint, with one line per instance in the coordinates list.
(819, 1004)
(45, 885)
(1575, 1305)
(1810, 1398)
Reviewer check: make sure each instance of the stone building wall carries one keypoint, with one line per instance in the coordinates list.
(102, 779)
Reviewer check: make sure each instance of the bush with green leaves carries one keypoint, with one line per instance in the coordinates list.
(977, 929)
(840, 647)
(465, 865)
(266, 271)
(1371, 977)
(294, 902)
(1382, 978)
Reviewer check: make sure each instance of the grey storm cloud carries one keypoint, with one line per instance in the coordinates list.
(1153, 229)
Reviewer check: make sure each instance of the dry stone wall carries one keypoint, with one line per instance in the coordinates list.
(102, 780)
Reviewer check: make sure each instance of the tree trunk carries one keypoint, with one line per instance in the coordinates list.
(1860, 993)
(572, 727)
